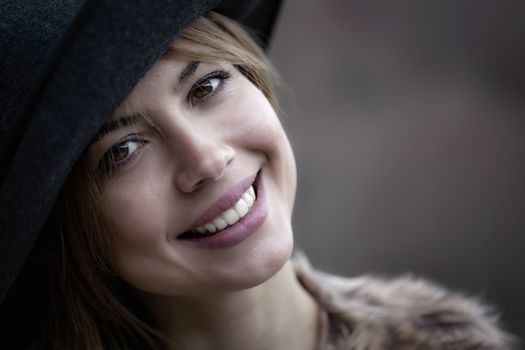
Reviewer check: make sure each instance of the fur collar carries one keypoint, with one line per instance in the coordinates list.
(405, 313)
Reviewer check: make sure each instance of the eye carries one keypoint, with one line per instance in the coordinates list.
(207, 87)
(121, 152)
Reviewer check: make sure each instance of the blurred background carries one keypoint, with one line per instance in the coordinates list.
(407, 120)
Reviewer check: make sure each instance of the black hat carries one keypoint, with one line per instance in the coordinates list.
(65, 65)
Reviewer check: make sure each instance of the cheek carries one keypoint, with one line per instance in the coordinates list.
(264, 134)
(136, 209)
(140, 223)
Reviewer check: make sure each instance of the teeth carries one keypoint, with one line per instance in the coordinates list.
(210, 227)
(220, 223)
(241, 207)
(248, 199)
(230, 216)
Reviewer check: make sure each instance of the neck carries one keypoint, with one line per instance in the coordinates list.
(278, 314)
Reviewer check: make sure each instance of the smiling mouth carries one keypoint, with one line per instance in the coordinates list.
(227, 218)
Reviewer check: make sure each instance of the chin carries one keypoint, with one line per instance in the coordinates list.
(260, 265)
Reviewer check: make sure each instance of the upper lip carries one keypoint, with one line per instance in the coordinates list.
(225, 202)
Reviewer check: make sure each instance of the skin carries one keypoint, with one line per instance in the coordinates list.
(191, 151)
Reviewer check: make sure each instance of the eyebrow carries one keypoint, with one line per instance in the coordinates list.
(187, 72)
(116, 124)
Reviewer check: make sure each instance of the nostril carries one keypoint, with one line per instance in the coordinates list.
(198, 184)
(229, 160)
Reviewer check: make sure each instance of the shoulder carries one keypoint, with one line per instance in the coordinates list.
(401, 313)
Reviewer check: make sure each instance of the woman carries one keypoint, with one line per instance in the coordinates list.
(173, 226)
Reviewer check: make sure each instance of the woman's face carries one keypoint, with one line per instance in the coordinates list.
(209, 138)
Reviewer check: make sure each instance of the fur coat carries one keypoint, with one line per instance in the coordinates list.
(406, 313)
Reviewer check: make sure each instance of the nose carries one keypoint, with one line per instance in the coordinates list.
(202, 161)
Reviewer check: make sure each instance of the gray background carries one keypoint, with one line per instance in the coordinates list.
(407, 122)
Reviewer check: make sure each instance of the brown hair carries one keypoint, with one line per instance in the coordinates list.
(91, 309)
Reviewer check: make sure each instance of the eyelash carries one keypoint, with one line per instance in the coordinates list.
(222, 77)
(108, 163)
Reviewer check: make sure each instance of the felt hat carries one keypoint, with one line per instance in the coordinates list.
(65, 65)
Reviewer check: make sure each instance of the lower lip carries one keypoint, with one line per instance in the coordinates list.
(241, 230)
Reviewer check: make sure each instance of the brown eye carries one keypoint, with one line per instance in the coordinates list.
(207, 87)
(121, 153)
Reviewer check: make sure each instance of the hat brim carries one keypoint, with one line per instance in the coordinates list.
(108, 48)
